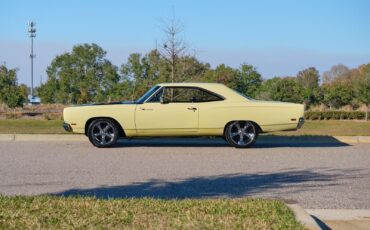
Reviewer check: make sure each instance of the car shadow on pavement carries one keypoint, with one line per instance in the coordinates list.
(277, 184)
(264, 141)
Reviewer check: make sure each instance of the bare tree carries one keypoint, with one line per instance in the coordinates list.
(173, 46)
(336, 72)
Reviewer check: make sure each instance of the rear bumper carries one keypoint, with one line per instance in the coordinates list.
(300, 122)
(67, 127)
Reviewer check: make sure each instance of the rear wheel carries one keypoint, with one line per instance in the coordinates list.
(241, 134)
(103, 133)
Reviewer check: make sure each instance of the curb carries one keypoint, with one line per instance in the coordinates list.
(340, 214)
(353, 139)
(303, 217)
(7, 137)
(42, 137)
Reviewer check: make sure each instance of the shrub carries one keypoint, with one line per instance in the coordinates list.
(334, 115)
(358, 115)
(13, 115)
(52, 116)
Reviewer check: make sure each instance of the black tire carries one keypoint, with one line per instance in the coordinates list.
(241, 134)
(103, 133)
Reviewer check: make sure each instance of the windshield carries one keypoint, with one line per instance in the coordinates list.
(147, 94)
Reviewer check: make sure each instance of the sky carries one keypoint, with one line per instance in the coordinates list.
(279, 38)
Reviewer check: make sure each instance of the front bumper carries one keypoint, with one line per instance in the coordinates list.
(67, 127)
(300, 122)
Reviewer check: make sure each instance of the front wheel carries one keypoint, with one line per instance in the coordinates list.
(103, 133)
(241, 134)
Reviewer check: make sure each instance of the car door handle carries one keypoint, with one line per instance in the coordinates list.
(145, 109)
(192, 108)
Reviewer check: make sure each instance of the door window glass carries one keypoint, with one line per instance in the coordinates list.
(156, 97)
(188, 94)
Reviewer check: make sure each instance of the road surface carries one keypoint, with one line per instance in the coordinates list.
(316, 175)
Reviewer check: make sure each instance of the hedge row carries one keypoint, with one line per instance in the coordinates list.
(334, 115)
(19, 115)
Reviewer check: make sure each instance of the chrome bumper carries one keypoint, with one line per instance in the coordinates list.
(67, 127)
(300, 122)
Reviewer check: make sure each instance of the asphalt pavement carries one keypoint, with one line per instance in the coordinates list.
(316, 175)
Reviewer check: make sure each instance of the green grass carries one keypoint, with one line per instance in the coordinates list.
(327, 128)
(29, 126)
(48, 212)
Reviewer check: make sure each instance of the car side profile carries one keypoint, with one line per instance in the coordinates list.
(184, 109)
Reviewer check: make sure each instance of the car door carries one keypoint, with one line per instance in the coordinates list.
(177, 114)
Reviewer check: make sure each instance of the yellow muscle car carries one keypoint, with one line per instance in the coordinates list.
(184, 109)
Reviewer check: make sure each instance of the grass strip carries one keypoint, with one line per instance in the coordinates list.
(52, 212)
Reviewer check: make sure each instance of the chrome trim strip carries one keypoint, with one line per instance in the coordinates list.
(153, 94)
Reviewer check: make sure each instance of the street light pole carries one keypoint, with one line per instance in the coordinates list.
(32, 32)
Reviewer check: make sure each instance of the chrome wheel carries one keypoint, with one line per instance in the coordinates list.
(241, 134)
(103, 133)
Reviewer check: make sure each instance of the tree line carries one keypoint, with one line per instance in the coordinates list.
(85, 75)
(11, 93)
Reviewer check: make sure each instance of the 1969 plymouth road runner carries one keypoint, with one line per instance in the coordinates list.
(184, 109)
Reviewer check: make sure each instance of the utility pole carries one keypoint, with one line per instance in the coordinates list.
(32, 32)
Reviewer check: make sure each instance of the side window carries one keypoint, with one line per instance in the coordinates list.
(203, 96)
(178, 94)
(188, 94)
(156, 97)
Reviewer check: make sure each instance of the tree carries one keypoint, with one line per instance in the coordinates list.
(142, 72)
(245, 79)
(249, 80)
(10, 93)
(338, 87)
(222, 74)
(266, 89)
(288, 90)
(284, 89)
(82, 76)
(337, 94)
(191, 69)
(336, 72)
(362, 86)
(308, 80)
(174, 47)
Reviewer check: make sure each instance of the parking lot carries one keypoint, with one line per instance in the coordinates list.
(314, 175)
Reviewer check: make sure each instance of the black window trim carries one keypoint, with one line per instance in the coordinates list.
(220, 97)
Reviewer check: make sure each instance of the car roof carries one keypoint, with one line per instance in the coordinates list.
(217, 88)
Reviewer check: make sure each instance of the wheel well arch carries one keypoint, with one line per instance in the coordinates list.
(121, 130)
(259, 129)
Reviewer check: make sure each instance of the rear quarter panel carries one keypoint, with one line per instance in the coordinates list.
(270, 116)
